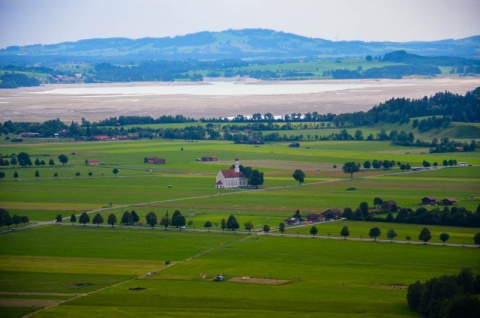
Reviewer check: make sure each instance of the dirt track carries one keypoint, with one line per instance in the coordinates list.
(22, 105)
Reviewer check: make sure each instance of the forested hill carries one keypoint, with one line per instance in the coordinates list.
(404, 57)
(253, 44)
(447, 106)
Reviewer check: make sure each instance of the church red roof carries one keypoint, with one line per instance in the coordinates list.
(232, 174)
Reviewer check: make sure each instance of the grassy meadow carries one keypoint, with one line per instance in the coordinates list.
(101, 271)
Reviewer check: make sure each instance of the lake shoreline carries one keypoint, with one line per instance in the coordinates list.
(37, 104)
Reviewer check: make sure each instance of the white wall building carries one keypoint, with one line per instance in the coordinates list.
(231, 178)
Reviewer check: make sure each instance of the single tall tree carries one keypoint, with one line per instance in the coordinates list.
(84, 218)
(223, 225)
(63, 159)
(115, 171)
(313, 231)
(391, 234)
(425, 235)
(266, 228)
(135, 218)
(345, 232)
(299, 176)
(281, 228)
(374, 233)
(58, 219)
(73, 218)
(256, 178)
(151, 219)
(351, 168)
(112, 219)
(232, 223)
(165, 221)
(97, 219)
(476, 238)
(208, 225)
(444, 237)
(25, 220)
(37, 174)
(249, 226)
(178, 220)
(16, 219)
(377, 202)
(127, 218)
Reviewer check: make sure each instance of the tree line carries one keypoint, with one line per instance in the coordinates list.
(400, 110)
(8, 220)
(449, 216)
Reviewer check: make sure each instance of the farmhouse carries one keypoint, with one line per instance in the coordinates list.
(332, 214)
(101, 137)
(293, 221)
(232, 178)
(29, 135)
(155, 160)
(449, 201)
(388, 205)
(209, 158)
(92, 162)
(315, 217)
(429, 200)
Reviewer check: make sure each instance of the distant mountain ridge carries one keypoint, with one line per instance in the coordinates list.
(248, 44)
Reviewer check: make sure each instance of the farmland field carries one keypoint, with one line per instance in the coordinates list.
(102, 271)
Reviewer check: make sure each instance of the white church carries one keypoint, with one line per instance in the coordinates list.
(231, 178)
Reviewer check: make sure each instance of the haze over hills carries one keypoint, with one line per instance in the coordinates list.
(247, 44)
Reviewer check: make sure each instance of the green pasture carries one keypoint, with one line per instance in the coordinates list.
(324, 278)
(188, 185)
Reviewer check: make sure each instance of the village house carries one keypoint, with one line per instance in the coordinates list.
(231, 178)
(209, 158)
(92, 162)
(293, 221)
(429, 200)
(388, 205)
(334, 214)
(155, 160)
(30, 135)
(315, 218)
(449, 201)
(101, 137)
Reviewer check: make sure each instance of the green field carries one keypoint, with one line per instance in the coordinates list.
(51, 264)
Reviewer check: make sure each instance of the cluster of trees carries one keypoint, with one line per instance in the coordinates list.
(446, 296)
(449, 216)
(15, 80)
(7, 220)
(430, 123)
(254, 177)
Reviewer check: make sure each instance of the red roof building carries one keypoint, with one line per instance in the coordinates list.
(230, 179)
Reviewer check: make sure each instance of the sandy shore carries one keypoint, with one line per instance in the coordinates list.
(26, 104)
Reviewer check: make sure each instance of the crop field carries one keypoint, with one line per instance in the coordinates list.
(73, 270)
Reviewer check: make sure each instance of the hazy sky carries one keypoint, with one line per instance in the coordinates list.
(25, 22)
